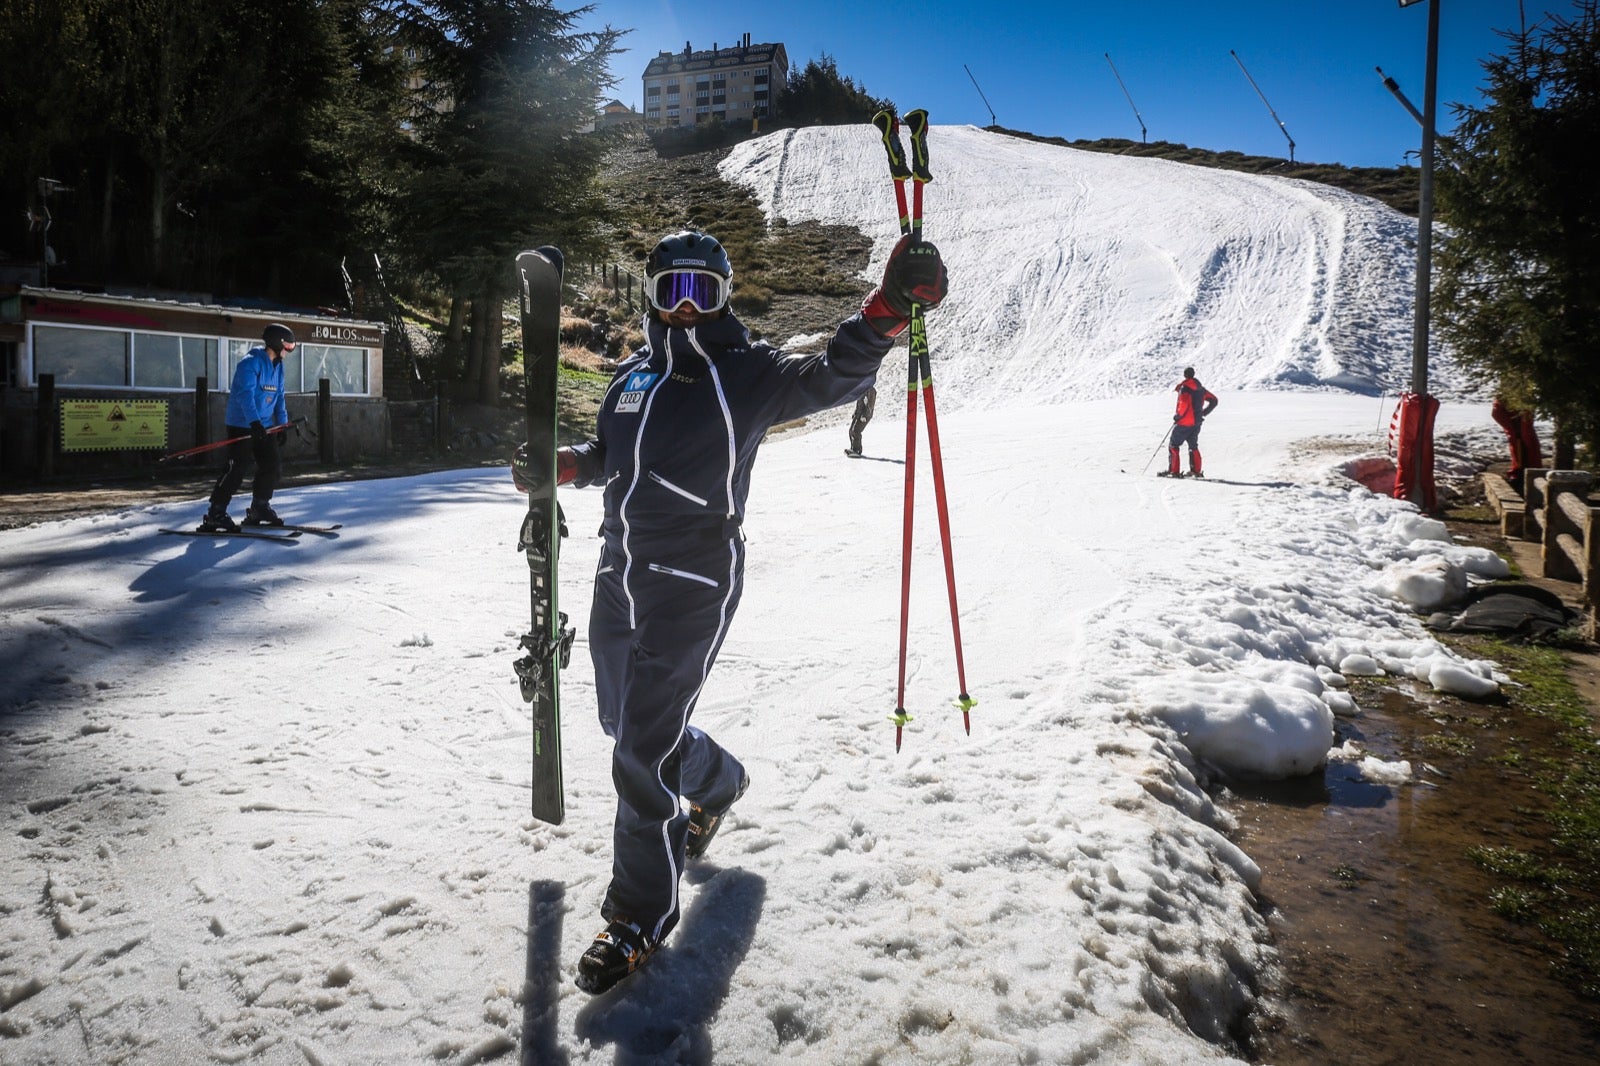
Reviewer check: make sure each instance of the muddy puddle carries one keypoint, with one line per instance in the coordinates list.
(1389, 949)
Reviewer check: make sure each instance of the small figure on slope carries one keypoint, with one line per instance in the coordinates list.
(859, 419)
(1194, 403)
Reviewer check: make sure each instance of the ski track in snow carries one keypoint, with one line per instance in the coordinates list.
(270, 805)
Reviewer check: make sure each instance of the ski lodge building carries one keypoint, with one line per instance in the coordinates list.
(736, 84)
(93, 383)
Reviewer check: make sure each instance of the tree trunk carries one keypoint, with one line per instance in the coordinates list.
(108, 250)
(489, 368)
(450, 361)
(474, 352)
(158, 235)
(1564, 457)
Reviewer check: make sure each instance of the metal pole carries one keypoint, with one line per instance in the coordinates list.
(1143, 133)
(992, 120)
(1419, 328)
(1263, 96)
(1394, 87)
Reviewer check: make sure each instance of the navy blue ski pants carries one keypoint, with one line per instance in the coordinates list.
(654, 632)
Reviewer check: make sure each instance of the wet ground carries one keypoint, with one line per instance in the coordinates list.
(1390, 951)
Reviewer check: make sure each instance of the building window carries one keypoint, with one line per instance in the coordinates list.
(80, 356)
(163, 361)
(345, 368)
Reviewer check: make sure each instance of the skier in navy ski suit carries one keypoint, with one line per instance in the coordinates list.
(675, 440)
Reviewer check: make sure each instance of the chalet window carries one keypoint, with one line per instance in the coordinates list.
(163, 361)
(81, 356)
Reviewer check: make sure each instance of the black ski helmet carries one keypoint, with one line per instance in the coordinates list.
(687, 249)
(276, 336)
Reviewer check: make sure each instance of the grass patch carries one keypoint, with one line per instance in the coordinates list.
(1559, 889)
(1448, 743)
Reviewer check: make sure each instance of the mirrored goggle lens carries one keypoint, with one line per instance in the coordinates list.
(705, 291)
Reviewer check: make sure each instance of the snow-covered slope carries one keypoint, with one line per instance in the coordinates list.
(1082, 275)
(268, 804)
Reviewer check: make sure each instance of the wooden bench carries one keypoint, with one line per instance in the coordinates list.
(1507, 503)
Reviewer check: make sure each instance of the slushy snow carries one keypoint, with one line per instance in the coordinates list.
(269, 804)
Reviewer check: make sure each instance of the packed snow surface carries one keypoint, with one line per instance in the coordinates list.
(268, 803)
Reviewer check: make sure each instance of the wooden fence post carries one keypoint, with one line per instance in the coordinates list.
(1557, 524)
(44, 427)
(325, 421)
(1591, 562)
(202, 414)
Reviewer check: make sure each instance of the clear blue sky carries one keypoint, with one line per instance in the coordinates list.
(1042, 65)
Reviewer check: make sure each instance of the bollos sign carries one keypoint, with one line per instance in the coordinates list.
(345, 333)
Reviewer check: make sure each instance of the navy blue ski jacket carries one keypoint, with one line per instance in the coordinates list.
(678, 430)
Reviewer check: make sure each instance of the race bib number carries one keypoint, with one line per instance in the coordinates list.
(633, 392)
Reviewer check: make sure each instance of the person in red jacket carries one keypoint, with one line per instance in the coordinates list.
(1521, 437)
(1194, 403)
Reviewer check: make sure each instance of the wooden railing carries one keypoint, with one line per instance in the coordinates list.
(1553, 509)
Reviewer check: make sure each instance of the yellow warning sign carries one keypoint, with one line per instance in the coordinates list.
(103, 425)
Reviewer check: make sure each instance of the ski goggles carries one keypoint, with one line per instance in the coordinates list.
(705, 289)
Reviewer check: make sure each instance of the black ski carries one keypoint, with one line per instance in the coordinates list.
(549, 643)
(288, 538)
(297, 529)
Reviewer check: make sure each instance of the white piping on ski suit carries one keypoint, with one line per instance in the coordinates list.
(722, 614)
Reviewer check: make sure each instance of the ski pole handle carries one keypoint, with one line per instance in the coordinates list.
(889, 131)
(917, 123)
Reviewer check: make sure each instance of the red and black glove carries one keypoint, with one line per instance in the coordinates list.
(915, 274)
(526, 478)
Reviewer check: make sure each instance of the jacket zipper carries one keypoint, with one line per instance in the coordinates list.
(659, 569)
(670, 487)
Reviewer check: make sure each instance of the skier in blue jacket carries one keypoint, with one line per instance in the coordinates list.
(256, 403)
(675, 440)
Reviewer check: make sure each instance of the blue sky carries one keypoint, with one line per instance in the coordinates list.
(1043, 68)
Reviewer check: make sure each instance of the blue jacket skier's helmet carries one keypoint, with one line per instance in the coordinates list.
(278, 337)
(688, 266)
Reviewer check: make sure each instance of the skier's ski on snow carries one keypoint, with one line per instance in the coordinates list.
(248, 534)
(549, 643)
(297, 529)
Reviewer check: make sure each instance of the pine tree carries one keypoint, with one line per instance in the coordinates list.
(1518, 287)
(820, 95)
(504, 156)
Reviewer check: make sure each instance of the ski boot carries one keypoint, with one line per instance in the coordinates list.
(704, 823)
(218, 522)
(262, 514)
(618, 950)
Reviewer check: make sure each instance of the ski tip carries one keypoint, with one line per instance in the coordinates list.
(552, 253)
(549, 253)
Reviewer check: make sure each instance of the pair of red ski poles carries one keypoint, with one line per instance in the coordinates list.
(919, 379)
(295, 422)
